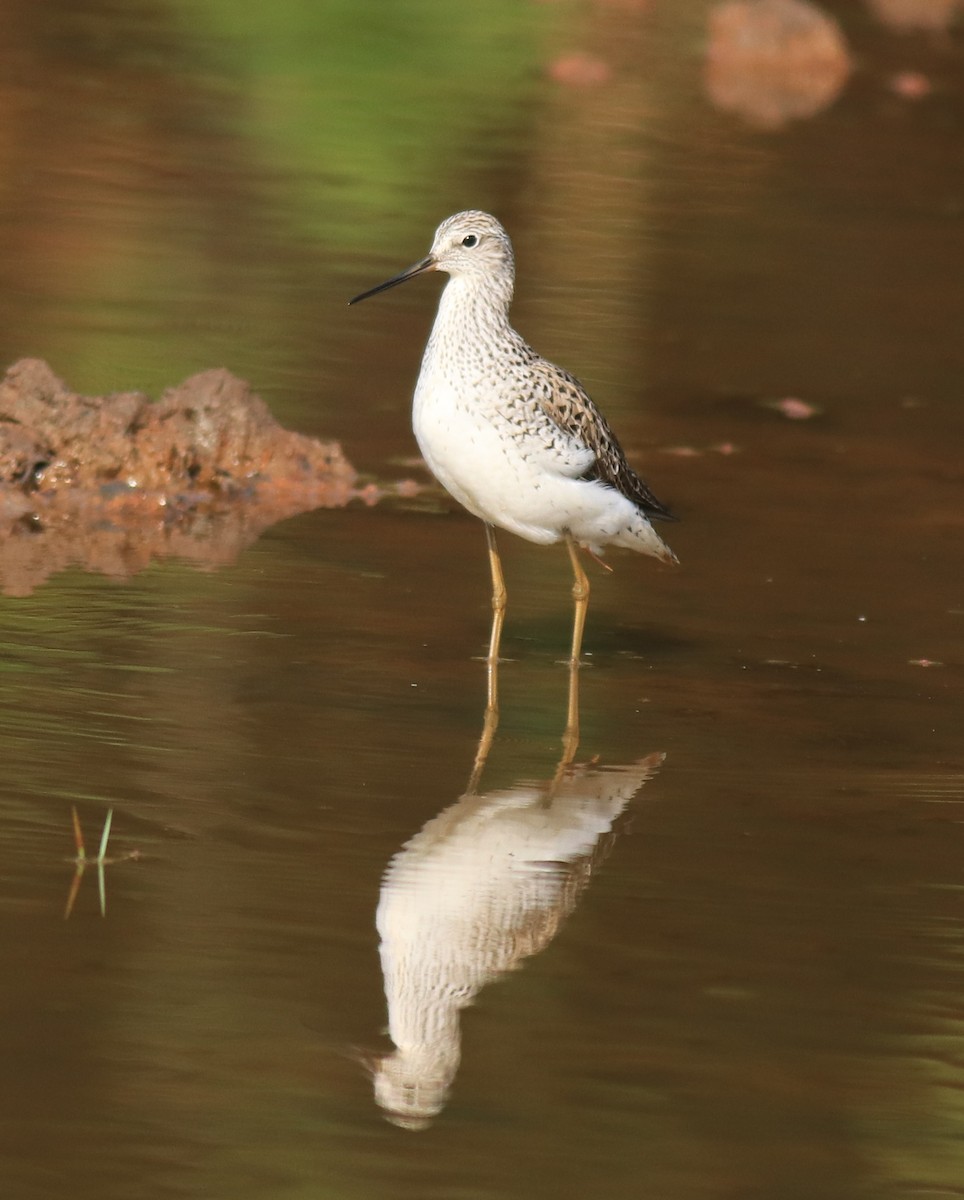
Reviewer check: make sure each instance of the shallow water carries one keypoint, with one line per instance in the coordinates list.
(740, 979)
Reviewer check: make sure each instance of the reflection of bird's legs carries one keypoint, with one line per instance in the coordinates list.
(489, 725)
(570, 739)
(580, 597)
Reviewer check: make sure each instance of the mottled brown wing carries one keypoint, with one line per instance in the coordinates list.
(570, 408)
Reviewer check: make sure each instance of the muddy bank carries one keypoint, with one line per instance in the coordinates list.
(110, 482)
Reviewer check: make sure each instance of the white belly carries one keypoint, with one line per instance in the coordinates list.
(467, 455)
(505, 475)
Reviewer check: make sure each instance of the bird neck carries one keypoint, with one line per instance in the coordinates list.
(481, 305)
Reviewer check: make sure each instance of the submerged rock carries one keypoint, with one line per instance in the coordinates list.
(110, 482)
(773, 61)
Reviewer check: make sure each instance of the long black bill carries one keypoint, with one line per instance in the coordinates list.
(427, 264)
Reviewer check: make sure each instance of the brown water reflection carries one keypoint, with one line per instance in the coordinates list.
(481, 887)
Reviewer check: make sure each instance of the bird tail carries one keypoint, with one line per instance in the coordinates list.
(642, 537)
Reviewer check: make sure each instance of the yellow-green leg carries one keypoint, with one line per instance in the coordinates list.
(491, 720)
(498, 596)
(580, 597)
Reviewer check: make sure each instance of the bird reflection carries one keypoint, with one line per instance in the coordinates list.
(482, 886)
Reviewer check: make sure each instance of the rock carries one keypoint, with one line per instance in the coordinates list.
(772, 61)
(580, 70)
(111, 482)
(212, 434)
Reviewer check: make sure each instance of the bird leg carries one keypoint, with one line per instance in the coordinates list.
(580, 597)
(491, 720)
(498, 601)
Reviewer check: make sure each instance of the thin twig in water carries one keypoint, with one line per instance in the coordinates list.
(81, 862)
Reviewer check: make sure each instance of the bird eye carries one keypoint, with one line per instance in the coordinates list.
(470, 240)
